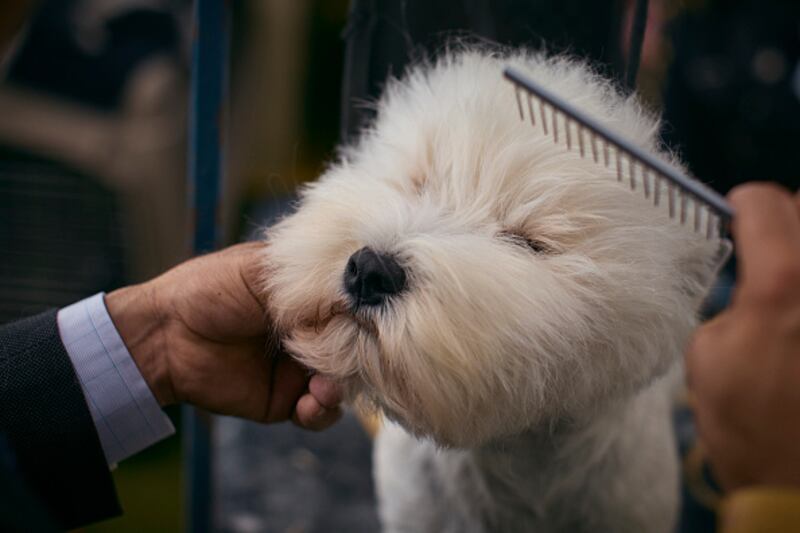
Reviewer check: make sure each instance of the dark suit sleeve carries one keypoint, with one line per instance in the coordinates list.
(44, 415)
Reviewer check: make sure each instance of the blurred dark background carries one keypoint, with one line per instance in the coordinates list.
(93, 148)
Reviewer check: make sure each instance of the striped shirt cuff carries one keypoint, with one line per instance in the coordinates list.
(126, 415)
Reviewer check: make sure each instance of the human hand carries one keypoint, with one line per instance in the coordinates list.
(199, 334)
(744, 366)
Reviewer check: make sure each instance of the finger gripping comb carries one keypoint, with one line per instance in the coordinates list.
(688, 200)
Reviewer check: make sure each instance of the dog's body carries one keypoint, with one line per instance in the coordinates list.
(523, 312)
(615, 472)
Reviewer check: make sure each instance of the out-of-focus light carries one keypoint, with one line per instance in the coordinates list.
(769, 65)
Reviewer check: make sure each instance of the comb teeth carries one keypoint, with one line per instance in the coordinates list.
(697, 206)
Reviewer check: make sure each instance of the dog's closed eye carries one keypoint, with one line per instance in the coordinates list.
(520, 239)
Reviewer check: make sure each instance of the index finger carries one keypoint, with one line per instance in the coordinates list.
(766, 229)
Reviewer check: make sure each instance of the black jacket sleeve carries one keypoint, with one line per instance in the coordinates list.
(44, 416)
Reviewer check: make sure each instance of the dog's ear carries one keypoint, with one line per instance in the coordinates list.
(701, 269)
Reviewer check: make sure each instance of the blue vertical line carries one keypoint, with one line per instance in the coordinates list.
(206, 166)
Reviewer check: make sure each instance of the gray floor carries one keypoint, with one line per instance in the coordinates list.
(282, 479)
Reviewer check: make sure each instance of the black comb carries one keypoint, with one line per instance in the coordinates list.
(592, 137)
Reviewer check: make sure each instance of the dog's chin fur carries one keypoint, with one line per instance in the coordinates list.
(490, 339)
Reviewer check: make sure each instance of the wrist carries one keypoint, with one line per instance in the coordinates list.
(137, 316)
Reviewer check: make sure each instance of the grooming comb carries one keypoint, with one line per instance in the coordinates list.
(688, 200)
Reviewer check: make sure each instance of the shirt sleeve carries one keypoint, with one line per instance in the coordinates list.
(126, 415)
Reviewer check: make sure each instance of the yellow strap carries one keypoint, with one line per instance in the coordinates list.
(761, 510)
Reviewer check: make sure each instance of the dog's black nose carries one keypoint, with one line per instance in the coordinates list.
(371, 277)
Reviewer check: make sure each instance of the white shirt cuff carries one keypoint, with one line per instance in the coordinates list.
(126, 415)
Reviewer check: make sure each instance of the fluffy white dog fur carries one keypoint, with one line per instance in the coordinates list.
(526, 364)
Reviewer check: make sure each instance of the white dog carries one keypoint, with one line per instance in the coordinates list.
(509, 304)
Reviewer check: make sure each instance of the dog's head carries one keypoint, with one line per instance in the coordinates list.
(474, 279)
